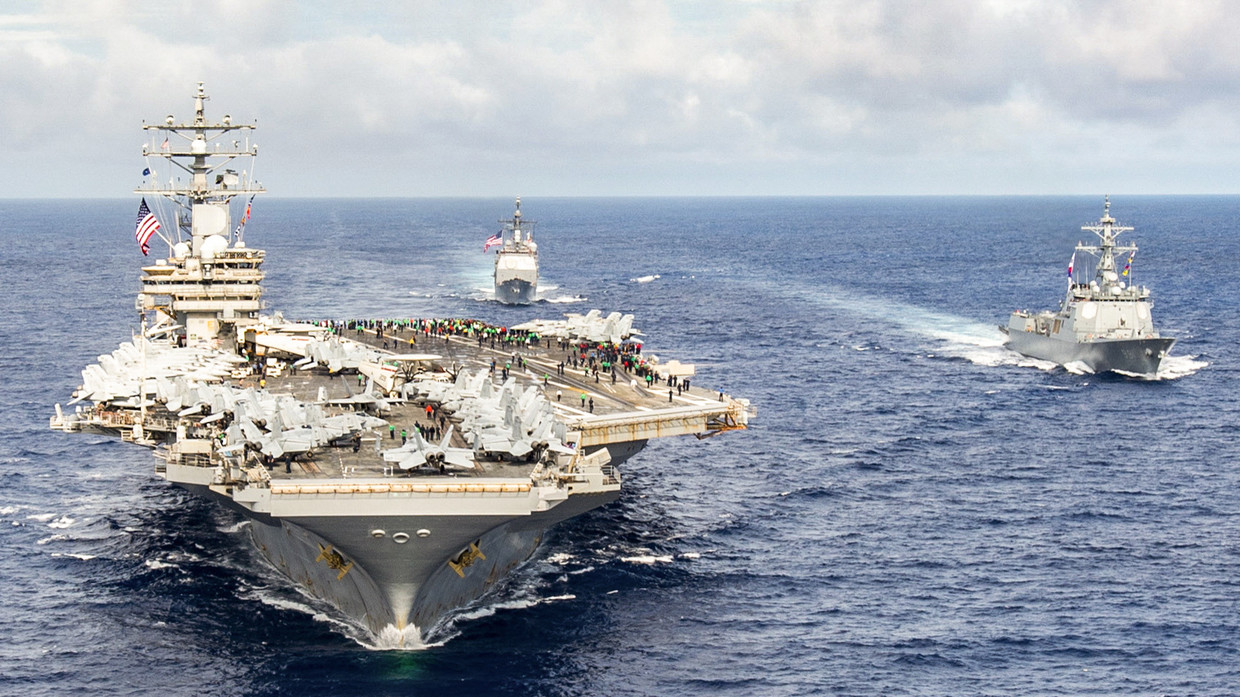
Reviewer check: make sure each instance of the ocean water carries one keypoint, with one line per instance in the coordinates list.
(915, 511)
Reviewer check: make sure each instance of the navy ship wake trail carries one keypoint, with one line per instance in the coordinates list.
(394, 468)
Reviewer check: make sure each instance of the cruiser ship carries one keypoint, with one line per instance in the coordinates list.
(1104, 323)
(396, 469)
(516, 262)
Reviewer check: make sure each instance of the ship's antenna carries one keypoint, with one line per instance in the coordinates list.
(199, 119)
(516, 223)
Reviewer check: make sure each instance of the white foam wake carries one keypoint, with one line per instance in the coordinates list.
(392, 639)
(1171, 368)
(389, 639)
(650, 559)
(1077, 368)
(514, 604)
(981, 343)
(73, 555)
(234, 528)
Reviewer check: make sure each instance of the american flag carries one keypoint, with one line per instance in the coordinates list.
(492, 241)
(147, 225)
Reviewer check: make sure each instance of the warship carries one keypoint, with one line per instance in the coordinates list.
(396, 469)
(1104, 323)
(516, 262)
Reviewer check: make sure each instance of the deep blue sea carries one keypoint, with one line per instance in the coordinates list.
(915, 511)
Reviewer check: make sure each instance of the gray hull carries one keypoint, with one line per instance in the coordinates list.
(1138, 356)
(402, 593)
(515, 291)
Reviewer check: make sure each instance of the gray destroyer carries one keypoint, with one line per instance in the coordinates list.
(516, 262)
(1104, 323)
(395, 469)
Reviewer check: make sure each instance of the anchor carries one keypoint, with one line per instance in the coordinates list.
(334, 560)
(466, 558)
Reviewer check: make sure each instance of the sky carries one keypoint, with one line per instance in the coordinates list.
(635, 98)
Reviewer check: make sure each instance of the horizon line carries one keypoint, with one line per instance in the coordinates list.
(653, 196)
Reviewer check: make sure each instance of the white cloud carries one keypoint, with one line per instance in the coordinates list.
(432, 98)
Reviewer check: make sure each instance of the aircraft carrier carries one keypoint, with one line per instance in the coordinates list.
(394, 468)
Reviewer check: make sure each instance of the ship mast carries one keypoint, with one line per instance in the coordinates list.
(200, 149)
(1108, 232)
(1106, 284)
(519, 233)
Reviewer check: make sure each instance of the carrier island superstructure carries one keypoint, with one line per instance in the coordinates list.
(396, 469)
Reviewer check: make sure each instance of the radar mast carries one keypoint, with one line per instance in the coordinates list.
(209, 285)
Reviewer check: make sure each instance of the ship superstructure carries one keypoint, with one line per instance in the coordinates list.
(1103, 323)
(209, 286)
(394, 468)
(516, 262)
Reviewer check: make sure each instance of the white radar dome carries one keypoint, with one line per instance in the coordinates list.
(180, 250)
(213, 245)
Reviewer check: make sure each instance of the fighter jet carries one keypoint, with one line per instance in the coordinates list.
(365, 399)
(418, 453)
